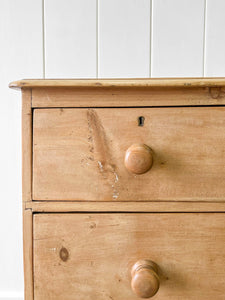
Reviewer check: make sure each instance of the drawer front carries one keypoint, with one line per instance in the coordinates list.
(90, 256)
(78, 154)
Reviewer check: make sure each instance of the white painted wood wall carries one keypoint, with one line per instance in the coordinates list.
(91, 39)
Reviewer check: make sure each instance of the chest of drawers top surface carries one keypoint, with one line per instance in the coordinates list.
(124, 92)
(123, 82)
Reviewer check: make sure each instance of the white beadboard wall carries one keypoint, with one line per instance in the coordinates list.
(91, 39)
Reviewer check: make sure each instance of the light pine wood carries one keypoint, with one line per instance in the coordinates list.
(138, 159)
(150, 82)
(79, 154)
(145, 280)
(28, 253)
(26, 145)
(159, 206)
(27, 193)
(125, 96)
(90, 256)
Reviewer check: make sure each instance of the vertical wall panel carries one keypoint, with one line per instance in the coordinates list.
(20, 57)
(177, 38)
(70, 38)
(124, 38)
(215, 38)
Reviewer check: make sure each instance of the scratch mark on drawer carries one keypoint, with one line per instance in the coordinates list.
(100, 151)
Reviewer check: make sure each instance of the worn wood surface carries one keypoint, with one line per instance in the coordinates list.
(150, 206)
(26, 145)
(139, 82)
(90, 256)
(124, 96)
(79, 154)
(27, 193)
(145, 280)
(138, 159)
(28, 253)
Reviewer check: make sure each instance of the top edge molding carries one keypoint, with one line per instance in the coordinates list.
(111, 83)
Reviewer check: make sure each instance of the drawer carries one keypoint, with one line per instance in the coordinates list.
(90, 256)
(79, 154)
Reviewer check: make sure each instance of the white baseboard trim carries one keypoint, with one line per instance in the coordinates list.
(9, 295)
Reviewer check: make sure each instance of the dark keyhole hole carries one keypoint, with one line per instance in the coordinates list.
(141, 121)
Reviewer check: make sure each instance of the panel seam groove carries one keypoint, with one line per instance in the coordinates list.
(97, 37)
(150, 42)
(43, 36)
(204, 39)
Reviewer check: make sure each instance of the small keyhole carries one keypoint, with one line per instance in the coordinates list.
(141, 121)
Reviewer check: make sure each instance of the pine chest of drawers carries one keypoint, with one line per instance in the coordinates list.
(124, 189)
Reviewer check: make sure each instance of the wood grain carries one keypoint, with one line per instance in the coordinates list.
(27, 193)
(79, 154)
(100, 250)
(78, 161)
(138, 82)
(147, 206)
(138, 159)
(145, 280)
(28, 253)
(117, 97)
(26, 145)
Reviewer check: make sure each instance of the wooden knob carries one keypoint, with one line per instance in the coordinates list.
(138, 158)
(145, 279)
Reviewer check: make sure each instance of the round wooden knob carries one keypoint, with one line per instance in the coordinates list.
(145, 279)
(138, 159)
